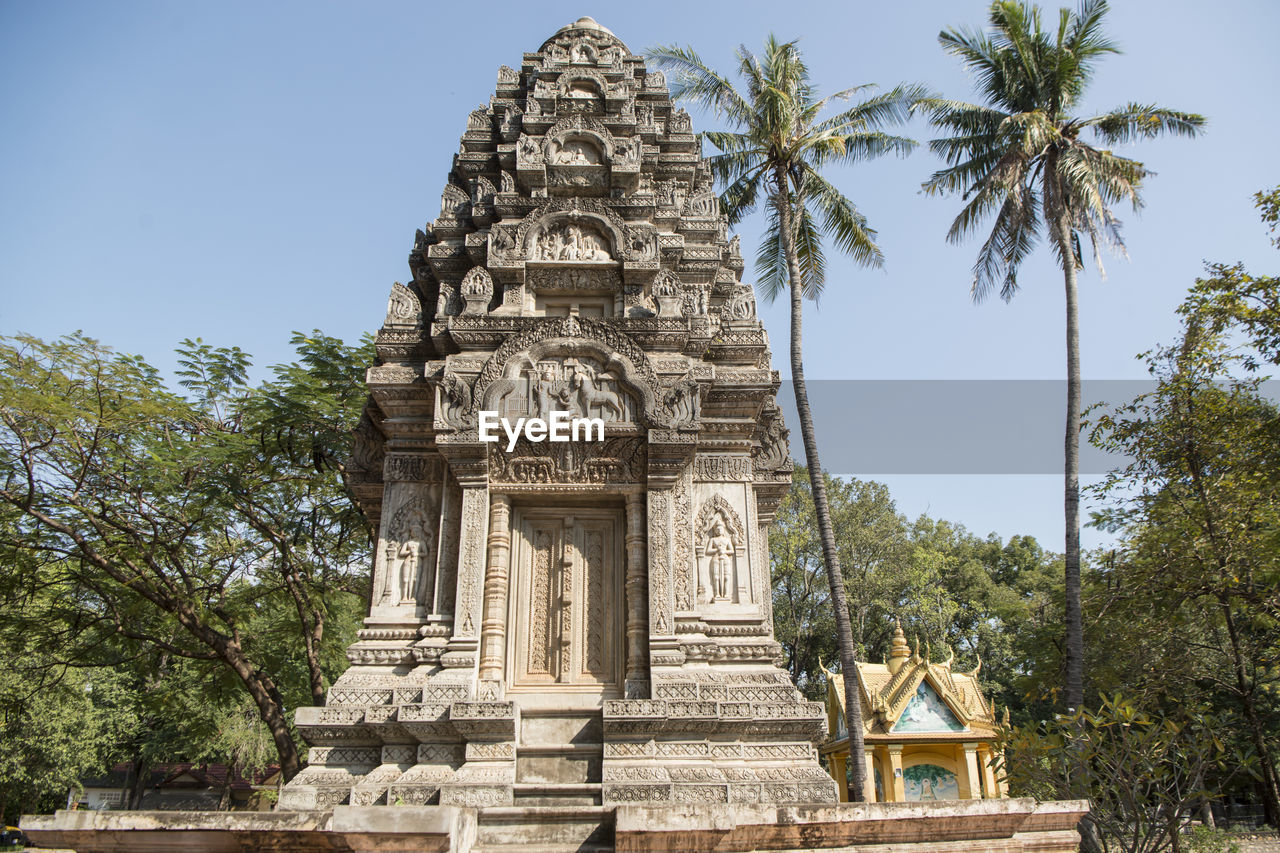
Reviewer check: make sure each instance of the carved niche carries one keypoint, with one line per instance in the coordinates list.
(573, 241)
(721, 553)
(409, 549)
(579, 384)
(619, 352)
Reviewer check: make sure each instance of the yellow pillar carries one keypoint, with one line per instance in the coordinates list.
(841, 774)
(968, 777)
(894, 792)
(989, 789)
(869, 785)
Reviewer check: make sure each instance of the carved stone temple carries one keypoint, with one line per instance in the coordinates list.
(584, 622)
(569, 644)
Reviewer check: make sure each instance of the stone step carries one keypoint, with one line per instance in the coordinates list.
(559, 763)
(557, 794)
(534, 828)
(540, 728)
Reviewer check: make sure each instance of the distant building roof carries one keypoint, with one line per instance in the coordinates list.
(908, 699)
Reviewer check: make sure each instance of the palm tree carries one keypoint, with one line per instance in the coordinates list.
(775, 153)
(1020, 154)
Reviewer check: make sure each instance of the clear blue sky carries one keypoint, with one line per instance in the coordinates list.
(239, 170)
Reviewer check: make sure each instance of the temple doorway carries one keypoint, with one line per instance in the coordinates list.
(567, 607)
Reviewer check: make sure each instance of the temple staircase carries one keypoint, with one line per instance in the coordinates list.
(557, 791)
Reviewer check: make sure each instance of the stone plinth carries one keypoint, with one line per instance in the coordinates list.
(1010, 826)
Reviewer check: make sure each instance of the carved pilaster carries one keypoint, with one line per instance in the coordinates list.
(475, 519)
(496, 581)
(636, 582)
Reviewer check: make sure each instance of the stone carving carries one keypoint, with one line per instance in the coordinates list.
(722, 468)
(413, 467)
(721, 542)
(574, 152)
(408, 547)
(680, 404)
(403, 308)
(579, 280)
(484, 191)
(454, 407)
(583, 52)
(775, 450)
(742, 305)
(369, 450)
(615, 460)
(660, 617)
(477, 290)
(528, 151)
(580, 385)
(572, 241)
(477, 282)
(704, 204)
(579, 209)
(455, 202)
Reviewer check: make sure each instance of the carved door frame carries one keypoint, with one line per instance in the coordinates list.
(568, 611)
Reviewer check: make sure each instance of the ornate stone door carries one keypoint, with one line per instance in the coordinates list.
(566, 605)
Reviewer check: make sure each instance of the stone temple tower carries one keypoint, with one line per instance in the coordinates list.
(583, 622)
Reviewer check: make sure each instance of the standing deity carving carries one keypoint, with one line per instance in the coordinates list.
(720, 550)
(408, 549)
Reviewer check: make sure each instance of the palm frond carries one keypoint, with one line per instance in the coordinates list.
(1144, 121)
(693, 80)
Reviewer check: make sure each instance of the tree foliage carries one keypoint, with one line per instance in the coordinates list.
(1020, 159)
(209, 524)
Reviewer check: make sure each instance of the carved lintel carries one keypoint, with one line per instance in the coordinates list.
(413, 467)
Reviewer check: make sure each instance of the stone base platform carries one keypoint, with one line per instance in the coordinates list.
(1010, 826)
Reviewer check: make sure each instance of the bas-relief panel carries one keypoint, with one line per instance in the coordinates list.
(725, 582)
(405, 572)
(580, 385)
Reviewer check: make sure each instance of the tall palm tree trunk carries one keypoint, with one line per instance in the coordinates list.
(826, 535)
(1071, 473)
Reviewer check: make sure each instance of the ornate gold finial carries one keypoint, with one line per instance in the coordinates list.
(899, 651)
(973, 673)
(951, 655)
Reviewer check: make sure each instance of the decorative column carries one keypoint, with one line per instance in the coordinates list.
(869, 781)
(968, 775)
(637, 678)
(465, 641)
(895, 786)
(988, 772)
(496, 581)
(841, 773)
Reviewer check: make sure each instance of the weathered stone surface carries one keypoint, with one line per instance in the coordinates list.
(1015, 826)
(579, 263)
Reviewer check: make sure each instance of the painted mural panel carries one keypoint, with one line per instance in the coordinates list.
(923, 782)
(926, 712)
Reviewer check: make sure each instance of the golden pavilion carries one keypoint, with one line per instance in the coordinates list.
(930, 734)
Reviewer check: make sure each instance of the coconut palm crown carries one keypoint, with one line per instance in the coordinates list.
(1021, 156)
(774, 154)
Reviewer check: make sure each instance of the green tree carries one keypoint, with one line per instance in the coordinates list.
(988, 601)
(1140, 770)
(1021, 156)
(776, 154)
(1200, 504)
(210, 526)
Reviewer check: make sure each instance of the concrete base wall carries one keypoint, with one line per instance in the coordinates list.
(1015, 826)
